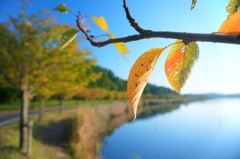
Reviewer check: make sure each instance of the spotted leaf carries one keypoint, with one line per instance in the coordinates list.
(179, 63)
(139, 75)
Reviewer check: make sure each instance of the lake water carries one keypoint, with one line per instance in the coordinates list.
(199, 130)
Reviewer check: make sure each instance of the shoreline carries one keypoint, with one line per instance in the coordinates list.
(104, 118)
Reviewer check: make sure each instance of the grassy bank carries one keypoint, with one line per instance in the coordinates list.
(15, 106)
(34, 105)
(78, 133)
(74, 134)
(93, 124)
(50, 138)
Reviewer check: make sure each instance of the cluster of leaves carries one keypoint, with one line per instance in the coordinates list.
(69, 35)
(179, 62)
(180, 59)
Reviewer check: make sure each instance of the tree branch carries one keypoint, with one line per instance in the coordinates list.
(147, 34)
(131, 20)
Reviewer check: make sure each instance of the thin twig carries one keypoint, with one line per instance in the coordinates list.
(80, 27)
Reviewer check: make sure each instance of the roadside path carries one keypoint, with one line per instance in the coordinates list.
(14, 116)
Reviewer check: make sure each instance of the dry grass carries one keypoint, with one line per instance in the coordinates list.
(93, 124)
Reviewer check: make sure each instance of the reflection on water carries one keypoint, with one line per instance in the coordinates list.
(150, 111)
(209, 130)
(93, 124)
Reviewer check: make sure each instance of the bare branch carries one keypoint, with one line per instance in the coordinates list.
(80, 27)
(230, 39)
(131, 20)
(147, 34)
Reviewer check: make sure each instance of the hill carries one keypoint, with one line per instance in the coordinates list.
(111, 82)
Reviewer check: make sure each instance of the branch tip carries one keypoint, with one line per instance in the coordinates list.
(131, 20)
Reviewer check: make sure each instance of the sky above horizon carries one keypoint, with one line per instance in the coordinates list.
(216, 71)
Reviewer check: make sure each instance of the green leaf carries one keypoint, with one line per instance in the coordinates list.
(193, 4)
(62, 8)
(121, 47)
(67, 37)
(101, 22)
(179, 63)
(233, 6)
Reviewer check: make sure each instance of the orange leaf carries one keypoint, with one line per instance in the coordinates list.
(231, 25)
(139, 75)
(179, 63)
(173, 62)
(45, 80)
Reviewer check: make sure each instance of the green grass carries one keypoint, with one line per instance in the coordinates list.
(10, 106)
(52, 133)
(6, 107)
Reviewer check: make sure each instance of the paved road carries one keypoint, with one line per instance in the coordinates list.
(11, 117)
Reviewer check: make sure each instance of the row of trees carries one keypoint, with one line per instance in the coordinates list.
(107, 86)
(32, 64)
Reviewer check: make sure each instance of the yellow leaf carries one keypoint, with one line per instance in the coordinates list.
(232, 6)
(121, 47)
(179, 63)
(139, 75)
(101, 22)
(231, 25)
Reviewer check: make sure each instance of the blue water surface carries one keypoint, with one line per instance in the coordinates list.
(199, 130)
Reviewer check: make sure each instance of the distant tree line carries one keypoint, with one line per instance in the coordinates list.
(111, 83)
(108, 86)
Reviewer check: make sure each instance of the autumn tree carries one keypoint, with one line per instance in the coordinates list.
(71, 73)
(20, 51)
(31, 62)
(24, 53)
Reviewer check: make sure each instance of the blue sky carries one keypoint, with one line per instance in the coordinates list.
(217, 69)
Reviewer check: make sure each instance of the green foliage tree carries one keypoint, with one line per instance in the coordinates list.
(18, 62)
(31, 62)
